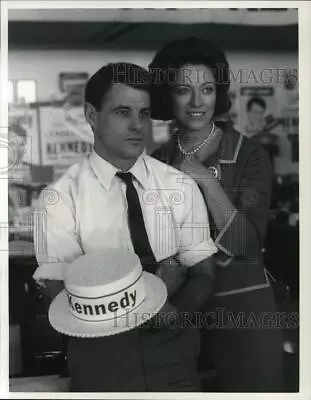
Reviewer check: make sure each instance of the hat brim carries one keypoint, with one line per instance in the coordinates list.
(63, 321)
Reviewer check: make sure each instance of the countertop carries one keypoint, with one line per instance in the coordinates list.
(50, 383)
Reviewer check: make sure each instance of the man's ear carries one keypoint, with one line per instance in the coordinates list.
(90, 114)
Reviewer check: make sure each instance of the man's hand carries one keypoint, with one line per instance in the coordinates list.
(166, 318)
(172, 274)
(197, 288)
(168, 308)
(167, 312)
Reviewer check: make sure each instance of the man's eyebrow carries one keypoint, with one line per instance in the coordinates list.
(128, 108)
(120, 106)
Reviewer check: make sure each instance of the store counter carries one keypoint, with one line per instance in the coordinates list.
(35, 347)
(51, 383)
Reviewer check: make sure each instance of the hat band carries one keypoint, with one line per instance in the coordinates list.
(108, 306)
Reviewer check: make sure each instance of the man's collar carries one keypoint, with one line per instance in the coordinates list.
(105, 171)
(140, 171)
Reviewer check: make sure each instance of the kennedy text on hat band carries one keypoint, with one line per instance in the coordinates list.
(108, 306)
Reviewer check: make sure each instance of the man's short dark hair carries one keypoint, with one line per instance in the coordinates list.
(101, 82)
(255, 100)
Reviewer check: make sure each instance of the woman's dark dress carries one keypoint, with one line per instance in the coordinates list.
(244, 337)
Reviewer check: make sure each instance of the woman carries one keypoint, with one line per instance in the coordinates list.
(190, 86)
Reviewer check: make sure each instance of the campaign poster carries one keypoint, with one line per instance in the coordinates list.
(257, 107)
(23, 141)
(288, 100)
(65, 136)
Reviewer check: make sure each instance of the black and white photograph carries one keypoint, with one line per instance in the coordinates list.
(153, 199)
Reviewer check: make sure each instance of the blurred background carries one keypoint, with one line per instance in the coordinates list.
(51, 55)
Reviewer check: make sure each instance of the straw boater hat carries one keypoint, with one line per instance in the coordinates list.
(106, 293)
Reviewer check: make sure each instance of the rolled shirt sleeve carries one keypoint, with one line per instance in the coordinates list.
(195, 242)
(55, 239)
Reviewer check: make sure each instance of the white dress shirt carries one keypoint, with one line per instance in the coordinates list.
(86, 210)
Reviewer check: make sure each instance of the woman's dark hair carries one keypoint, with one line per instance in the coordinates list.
(171, 58)
(101, 82)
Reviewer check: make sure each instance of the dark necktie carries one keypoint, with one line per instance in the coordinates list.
(137, 225)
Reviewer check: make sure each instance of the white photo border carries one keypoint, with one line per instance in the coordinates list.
(304, 180)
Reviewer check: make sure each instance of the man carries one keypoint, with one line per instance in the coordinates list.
(256, 108)
(90, 207)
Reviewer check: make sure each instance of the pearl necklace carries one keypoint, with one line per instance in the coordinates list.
(196, 149)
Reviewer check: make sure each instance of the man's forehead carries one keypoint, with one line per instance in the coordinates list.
(121, 94)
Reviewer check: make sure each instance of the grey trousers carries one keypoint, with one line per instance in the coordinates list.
(138, 360)
(249, 358)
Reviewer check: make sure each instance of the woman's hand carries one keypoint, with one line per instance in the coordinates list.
(193, 168)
